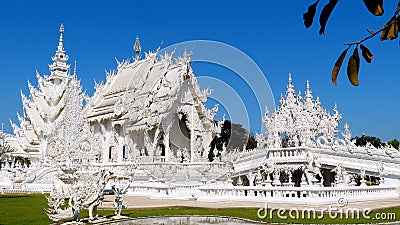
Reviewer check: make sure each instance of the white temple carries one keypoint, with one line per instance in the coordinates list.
(148, 122)
(152, 107)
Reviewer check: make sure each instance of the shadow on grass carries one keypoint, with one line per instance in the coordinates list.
(14, 196)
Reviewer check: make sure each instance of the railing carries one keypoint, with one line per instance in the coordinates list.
(22, 191)
(296, 194)
(163, 190)
(310, 194)
(38, 187)
(286, 152)
(151, 190)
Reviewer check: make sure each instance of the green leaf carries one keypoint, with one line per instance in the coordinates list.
(326, 12)
(374, 6)
(338, 65)
(308, 17)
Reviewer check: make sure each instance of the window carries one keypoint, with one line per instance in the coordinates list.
(125, 152)
(110, 152)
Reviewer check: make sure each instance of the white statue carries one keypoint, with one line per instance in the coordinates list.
(119, 192)
(87, 193)
(313, 169)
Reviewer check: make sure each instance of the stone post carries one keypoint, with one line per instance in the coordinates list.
(276, 178)
(303, 180)
(251, 178)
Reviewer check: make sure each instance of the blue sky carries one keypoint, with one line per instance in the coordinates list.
(269, 32)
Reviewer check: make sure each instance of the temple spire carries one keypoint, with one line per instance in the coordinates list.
(59, 68)
(309, 96)
(137, 48)
(290, 87)
(75, 69)
(60, 46)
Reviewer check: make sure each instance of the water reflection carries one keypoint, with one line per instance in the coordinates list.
(187, 220)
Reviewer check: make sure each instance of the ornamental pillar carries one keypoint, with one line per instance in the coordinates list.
(251, 178)
(258, 180)
(166, 144)
(276, 178)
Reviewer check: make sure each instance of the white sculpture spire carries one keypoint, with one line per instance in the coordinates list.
(75, 69)
(60, 42)
(137, 48)
(300, 120)
(309, 97)
(346, 134)
(59, 68)
(52, 113)
(290, 94)
(290, 86)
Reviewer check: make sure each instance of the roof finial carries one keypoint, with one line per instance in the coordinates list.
(62, 28)
(309, 96)
(137, 48)
(75, 68)
(60, 42)
(290, 86)
(59, 67)
(335, 109)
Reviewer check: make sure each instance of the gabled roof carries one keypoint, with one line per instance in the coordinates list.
(146, 88)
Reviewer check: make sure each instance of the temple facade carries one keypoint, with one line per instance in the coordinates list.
(154, 108)
(151, 108)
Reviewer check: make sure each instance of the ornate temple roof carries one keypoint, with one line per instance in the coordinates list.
(46, 106)
(59, 67)
(300, 120)
(146, 88)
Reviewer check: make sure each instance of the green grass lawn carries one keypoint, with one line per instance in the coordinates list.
(23, 209)
(29, 209)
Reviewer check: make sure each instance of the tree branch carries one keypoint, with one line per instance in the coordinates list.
(372, 33)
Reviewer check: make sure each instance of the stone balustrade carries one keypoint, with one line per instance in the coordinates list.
(286, 153)
(309, 194)
(154, 190)
(282, 194)
(23, 191)
(28, 188)
(163, 190)
(38, 187)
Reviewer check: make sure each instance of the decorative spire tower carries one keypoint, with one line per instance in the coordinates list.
(59, 68)
(52, 113)
(290, 86)
(137, 48)
(290, 93)
(346, 134)
(309, 97)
